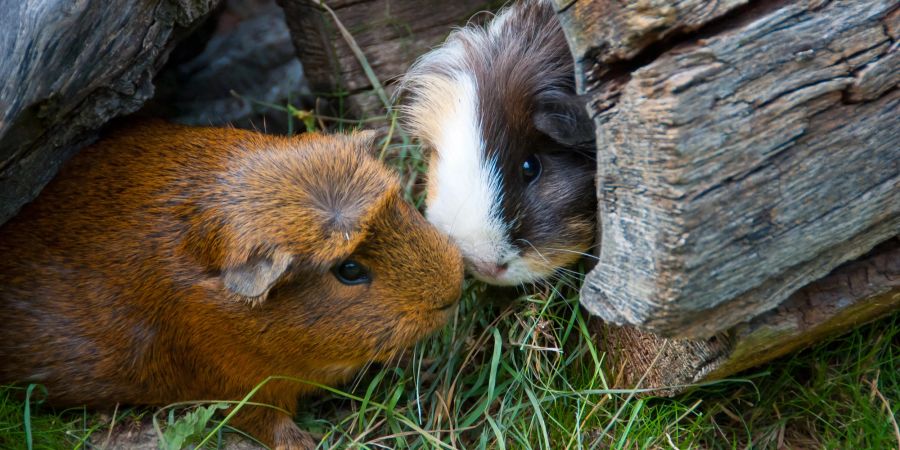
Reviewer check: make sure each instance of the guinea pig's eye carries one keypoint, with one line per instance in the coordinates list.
(531, 169)
(351, 272)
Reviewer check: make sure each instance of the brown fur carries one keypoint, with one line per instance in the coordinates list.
(168, 263)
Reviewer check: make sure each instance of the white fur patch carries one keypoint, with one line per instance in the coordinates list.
(464, 189)
(467, 198)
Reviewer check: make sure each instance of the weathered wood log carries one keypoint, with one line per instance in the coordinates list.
(66, 68)
(606, 32)
(391, 34)
(744, 151)
(854, 293)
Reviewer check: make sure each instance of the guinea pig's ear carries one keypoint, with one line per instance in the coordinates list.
(564, 119)
(254, 277)
(367, 139)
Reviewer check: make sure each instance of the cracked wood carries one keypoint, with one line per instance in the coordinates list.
(853, 294)
(68, 68)
(391, 34)
(741, 163)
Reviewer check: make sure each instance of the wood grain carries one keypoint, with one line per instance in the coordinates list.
(391, 33)
(853, 294)
(741, 164)
(601, 33)
(69, 67)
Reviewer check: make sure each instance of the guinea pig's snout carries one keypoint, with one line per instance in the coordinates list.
(492, 270)
(510, 271)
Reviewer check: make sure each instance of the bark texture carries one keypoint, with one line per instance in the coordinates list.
(747, 152)
(67, 68)
(390, 33)
(853, 294)
(744, 151)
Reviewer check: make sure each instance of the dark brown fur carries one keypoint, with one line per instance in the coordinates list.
(527, 105)
(526, 91)
(168, 263)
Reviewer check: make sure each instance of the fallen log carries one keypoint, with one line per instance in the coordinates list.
(390, 33)
(853, 294)
(743, 152)
(67, 69)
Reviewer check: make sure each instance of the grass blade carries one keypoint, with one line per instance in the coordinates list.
(360, 56)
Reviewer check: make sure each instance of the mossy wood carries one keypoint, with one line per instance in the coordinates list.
(66, 69)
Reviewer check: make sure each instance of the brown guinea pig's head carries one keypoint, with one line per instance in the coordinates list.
(313, 233)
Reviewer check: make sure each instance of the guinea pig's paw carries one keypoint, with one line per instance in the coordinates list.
(290, 437)
(273, 428)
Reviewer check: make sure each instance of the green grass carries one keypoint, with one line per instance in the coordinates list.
(519, 370)
(524, 373)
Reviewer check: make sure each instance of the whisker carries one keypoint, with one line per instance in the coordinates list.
(565, 276)
(563, 250)
(560, 269)
(569, 271)
(535, 249)
(566, 281)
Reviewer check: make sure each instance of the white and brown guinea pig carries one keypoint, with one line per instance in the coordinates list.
(511, 175)
(168, 263)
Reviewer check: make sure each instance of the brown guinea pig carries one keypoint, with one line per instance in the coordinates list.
(168, 263)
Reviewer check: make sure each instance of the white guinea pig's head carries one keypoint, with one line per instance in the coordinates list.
(511, 173)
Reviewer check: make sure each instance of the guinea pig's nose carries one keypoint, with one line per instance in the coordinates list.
(493, 270)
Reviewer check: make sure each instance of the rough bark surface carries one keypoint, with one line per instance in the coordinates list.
(391, 34)
(602, 33)
(747, 154)
(854, 293)
(67, 68)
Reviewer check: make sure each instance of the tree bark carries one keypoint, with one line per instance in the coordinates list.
(853, 294)
(743, 151)
(747, 151)
(68, 68)
(391, 34)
